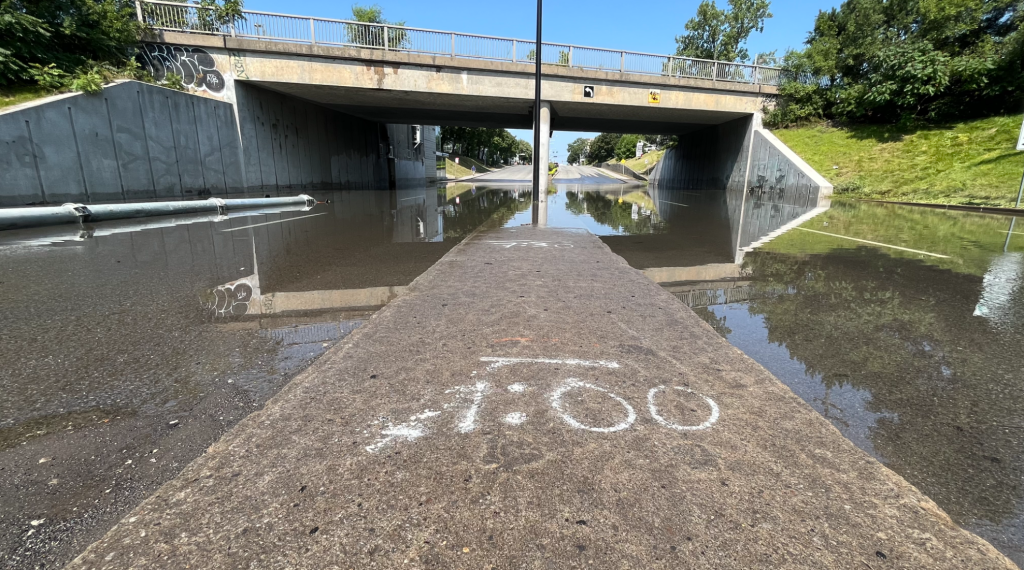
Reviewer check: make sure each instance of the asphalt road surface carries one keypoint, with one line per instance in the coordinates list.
(566, 175)
(583, 175)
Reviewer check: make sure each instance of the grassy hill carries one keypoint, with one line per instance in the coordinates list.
(645, 162)
(970, 162)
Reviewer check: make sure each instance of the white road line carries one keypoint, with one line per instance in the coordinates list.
(499, 362)
(876, 243)
(274, 222)
(673, 203)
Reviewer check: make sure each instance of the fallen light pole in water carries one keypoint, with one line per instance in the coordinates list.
(12, 218)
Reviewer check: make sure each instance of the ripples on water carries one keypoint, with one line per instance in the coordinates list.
(912, 355)
(915, 356)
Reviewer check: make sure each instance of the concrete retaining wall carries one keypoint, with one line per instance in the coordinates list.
(719, 157)
(134, 141)
(290, 144)
(775, 168)
(622, 169)
(711, 158)
(137, 141)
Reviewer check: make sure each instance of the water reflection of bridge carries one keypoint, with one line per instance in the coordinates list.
(708, 294)
(701, 235)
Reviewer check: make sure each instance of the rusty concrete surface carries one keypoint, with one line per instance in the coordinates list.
(533, 402)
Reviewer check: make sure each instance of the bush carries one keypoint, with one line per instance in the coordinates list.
(89, 81)
(848, 187)
(48, 76)
(173, 81)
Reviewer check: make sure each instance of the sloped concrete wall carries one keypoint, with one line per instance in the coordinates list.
(719, 157)
(134, 141)
(291, 144)
(767, 186)
(709, 159)
(776, 169)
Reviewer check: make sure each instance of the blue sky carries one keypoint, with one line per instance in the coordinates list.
(646, 27)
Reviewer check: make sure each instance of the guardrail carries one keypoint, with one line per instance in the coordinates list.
(191, 18)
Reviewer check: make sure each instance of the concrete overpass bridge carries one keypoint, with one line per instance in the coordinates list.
(406, 75)
(299, 103)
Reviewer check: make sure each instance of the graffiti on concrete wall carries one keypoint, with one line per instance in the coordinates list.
(195, 66)
(238, 297)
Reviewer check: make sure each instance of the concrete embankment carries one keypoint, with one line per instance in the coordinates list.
(136, 142)
(535, 402)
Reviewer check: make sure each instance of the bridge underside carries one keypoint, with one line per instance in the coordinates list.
(407, 107)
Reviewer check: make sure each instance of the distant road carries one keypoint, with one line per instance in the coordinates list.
(565, 175)
(583, 175)
(509, 174)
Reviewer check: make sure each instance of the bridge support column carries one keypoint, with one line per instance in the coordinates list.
(542, 159)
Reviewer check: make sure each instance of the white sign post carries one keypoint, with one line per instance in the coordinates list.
(1020, 138)
(1020, 146)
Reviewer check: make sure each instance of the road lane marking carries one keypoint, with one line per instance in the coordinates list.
(877, 243)
(498, 362)
(274, 222)
(673, 203)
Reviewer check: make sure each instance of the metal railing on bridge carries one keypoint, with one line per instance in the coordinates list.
(191, 18)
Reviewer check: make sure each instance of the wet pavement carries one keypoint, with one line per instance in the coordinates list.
(124, 340)
(555, 408)
(130, 347)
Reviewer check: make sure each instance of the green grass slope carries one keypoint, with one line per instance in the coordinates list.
(10, 96)
(971, 162)
(467, 162)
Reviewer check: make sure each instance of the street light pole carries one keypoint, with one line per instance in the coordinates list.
(536, 118)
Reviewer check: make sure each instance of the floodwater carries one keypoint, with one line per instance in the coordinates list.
(130, 347)
(916, 355)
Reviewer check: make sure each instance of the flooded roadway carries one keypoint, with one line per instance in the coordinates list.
(906, 337)
(129, 348)
(120, 366)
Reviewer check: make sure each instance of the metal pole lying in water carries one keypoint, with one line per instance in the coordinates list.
(536, 117)
(11, 218)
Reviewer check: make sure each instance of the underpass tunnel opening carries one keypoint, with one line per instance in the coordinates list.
(397, 107)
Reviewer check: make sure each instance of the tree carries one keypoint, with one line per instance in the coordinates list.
(69, 34)
(626, 147)
(720, 34)
(374, 36)
(22, 42)
(577, 149)
(886, 61)
(499, 144)
(62, 42)
(602, 148)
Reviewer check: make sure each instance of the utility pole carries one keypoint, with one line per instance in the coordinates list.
(536, 118)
